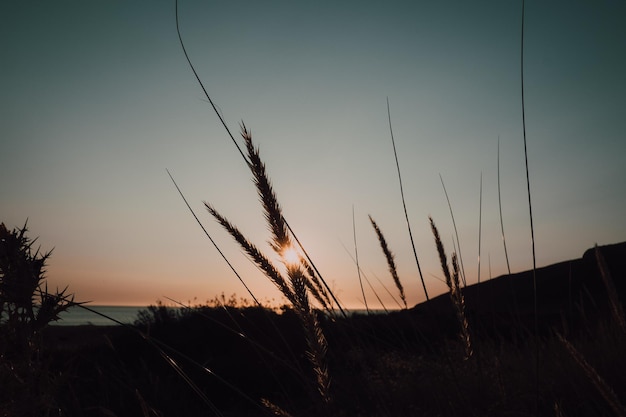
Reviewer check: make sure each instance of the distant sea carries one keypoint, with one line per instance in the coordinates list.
(78, 316)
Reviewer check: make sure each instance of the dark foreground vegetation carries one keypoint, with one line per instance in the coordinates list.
(252, 361)
(549, 342)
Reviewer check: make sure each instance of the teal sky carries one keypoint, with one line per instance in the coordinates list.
(97, 101)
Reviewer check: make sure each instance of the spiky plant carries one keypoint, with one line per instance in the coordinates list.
(26, 307)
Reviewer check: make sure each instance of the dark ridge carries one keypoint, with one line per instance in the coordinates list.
(568, 292)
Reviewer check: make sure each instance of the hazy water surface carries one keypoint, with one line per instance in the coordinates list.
(77, 316)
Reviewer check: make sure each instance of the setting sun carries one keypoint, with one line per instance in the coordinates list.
(290, 256)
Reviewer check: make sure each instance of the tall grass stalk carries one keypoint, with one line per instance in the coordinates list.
(390, 261)
(206, 233)
(530, 212)
(386, 290)
(371, 287)
(480, 229)
(248, 163)
(313, 333)
(295, 287)
(255, 254)
(406, 214)
(480, 222)
(315, 274)
(506, 253)
(377, 279)
(356, 257)
(603, 388)
(456, 232)
(204, 90)
(456, 294)
(380, 301)
(316, 288)
(459, 302)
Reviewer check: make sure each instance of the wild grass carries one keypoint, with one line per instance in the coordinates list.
(300, 280)
(603, 388)
(456, 232)
(390, 261)
(406, 213)
(356, 261)
(530, 205)
(456, 294)
(369, 355)
(240, 360)
(379, 366)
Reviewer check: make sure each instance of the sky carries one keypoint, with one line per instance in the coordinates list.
(98, 101)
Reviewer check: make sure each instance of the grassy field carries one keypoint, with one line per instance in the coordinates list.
(489, 349)
(546, 342)
(409, 362)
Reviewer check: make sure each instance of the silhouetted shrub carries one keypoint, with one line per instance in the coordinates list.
(26, 307)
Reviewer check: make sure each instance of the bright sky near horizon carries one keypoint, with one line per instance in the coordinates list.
(97, 101)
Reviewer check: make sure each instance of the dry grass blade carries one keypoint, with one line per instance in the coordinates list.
(261, 260)
(206, 233)
(281, 240)
(274, 409)
(530, 211)
(296, 289)
(356, 257)
(370, 284)
(390, 260)
(459, 303)
(316, 288)
(452, 281)
(443, 258)
(315, 338)
(605, 390)
(277, 223)
(506, 253)
(480, 223)
(616, 307)
(406, 214)
(206, 94)
(455, 229)
(271, 208)
(315, 274)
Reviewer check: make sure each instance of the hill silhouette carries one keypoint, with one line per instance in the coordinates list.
(568, 293)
